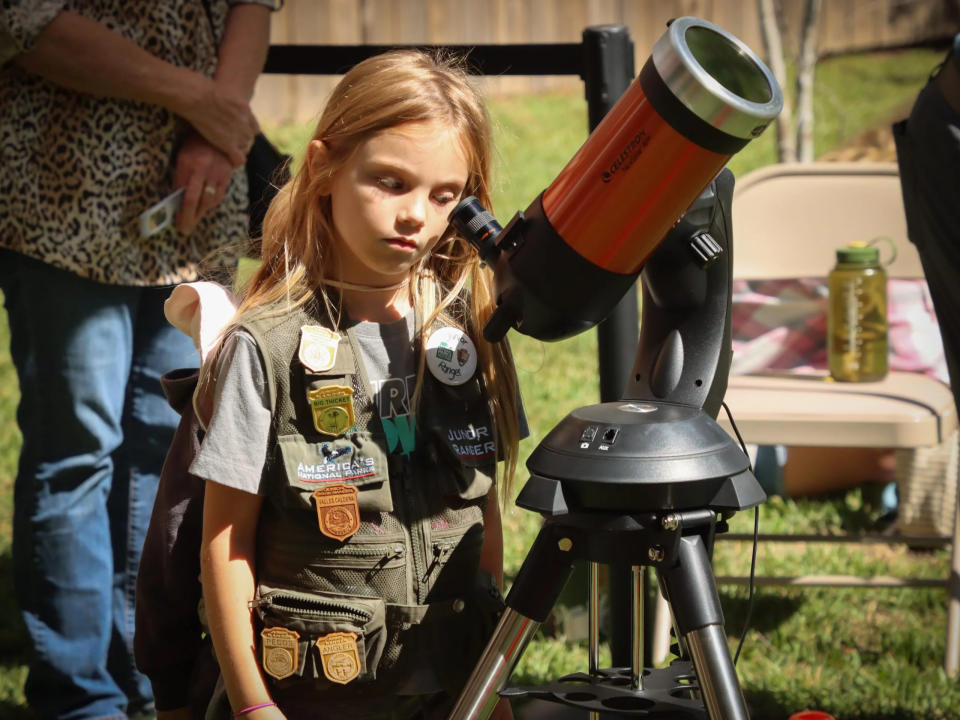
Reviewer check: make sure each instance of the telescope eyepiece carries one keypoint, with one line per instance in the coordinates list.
(475, 223)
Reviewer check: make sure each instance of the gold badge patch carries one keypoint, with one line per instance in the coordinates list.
(318, 347)
(332, 409)
(337, 511)
(340, 657)
(280, 654)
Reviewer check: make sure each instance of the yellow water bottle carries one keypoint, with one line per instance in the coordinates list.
(857, 315)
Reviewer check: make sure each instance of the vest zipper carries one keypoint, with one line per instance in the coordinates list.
(440, 553)
(400, 507)
(311, 606)
(398, 552)
(418, 539)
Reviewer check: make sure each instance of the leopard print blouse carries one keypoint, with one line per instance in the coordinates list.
(76, 170)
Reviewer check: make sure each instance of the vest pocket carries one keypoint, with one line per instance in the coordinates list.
(361, 568)
(356, 459)
(297, 555)
(455, 557)
(327, 639)
(460, 630)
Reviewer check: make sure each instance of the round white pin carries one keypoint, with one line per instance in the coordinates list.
(451, 356)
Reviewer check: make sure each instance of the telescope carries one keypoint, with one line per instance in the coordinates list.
(647, 480)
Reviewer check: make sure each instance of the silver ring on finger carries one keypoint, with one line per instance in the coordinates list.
(210, 190)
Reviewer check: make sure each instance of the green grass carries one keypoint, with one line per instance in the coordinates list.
(855, 653)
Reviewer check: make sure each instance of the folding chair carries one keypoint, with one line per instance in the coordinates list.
(787, 220)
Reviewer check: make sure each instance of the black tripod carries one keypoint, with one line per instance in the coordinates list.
(644, 481)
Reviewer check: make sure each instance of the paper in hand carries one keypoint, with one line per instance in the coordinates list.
(159, 216)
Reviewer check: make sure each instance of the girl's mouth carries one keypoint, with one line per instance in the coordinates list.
(402, 244)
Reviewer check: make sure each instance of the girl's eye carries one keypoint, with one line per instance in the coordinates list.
(389, 183)
(444, 198)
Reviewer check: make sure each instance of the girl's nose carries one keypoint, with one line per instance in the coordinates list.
(413, 212)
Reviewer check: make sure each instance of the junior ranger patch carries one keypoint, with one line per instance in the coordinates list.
(332, 408)
(340, 656)
(337, 512)
(280, 656)
(318, 347)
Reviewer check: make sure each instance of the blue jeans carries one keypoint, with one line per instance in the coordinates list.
(95, 429)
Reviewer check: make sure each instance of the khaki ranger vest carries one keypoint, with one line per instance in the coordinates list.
(367, 561)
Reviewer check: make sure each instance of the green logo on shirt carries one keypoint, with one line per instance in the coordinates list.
(401, 432)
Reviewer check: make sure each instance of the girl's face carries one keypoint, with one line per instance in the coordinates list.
(391, 200)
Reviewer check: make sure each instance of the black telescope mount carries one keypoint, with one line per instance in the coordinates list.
(644, 481)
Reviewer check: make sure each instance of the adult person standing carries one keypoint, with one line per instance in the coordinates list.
(106, 107)
(928, 154)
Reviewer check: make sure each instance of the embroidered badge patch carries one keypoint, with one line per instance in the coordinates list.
(337, 512)
(318, 348)
(340, 656)
(332, 408)
(330, 471)
(280, 654)
(451, 356)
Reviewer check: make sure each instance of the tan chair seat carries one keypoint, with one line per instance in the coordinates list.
(904, 410)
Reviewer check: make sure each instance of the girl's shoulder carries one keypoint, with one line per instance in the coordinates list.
(270, 321)
(277, 328)
(279, 336)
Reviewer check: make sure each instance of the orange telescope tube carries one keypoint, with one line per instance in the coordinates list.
(700, 97)
(562, 264)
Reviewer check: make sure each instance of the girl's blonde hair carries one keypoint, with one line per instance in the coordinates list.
(382, 92)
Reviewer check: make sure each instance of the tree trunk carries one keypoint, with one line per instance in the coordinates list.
(805, 76)
(773, 44)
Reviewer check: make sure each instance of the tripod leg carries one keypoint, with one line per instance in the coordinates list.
(593, 613)
(692, 592)
(542, 576)
(636, 637)
(479, 696)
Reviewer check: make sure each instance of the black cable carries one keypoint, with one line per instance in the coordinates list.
(753, 556)
(753, 567)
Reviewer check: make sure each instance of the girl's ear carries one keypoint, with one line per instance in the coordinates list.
(318, 156)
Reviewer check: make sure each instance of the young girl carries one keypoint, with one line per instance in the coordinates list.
(352, 546)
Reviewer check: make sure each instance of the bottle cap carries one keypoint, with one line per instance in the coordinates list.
(811, 715)
(858, 253)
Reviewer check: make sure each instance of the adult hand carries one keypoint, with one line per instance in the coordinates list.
(81, 54)
(222, 117)
(204, 172)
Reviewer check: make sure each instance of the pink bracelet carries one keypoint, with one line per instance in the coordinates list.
(252, 708)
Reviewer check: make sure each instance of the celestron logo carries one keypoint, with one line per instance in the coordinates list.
(628, 156)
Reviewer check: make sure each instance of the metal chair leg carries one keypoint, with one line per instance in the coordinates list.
(952, 655)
